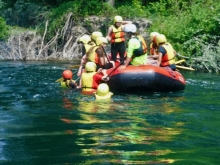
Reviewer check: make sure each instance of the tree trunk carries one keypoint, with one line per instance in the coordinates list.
(111, 2)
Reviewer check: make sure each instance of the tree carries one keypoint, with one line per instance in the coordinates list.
(4, 29)
(112, 2)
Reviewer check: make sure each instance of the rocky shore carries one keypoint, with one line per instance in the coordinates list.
(29, 45)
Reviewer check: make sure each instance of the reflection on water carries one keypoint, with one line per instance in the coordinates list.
(115, 132)
(44, 124)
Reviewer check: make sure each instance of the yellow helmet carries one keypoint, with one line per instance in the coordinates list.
(96, 34)
(160, 39)
(101, 40)
(103, 92)
(102, 89)
(118, 18)
(85, 39)
(90, 67)
(152, 35)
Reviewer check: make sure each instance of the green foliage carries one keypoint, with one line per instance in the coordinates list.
(132, 11)
(108, 10)
(46, 3)
(190, 26)
(4, 29)
(79, 9)
(24, 14)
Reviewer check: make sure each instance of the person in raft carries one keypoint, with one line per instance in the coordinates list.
(91, 43)
(137, 47)
(90, 79)
(97, 54)
(152, 58)
(86, 44)
(67, 81)
(116, 36)
(166, 53)
(153, 44)
(103, 92)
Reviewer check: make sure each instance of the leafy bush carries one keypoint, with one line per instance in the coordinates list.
(4, 29)
(133, 10)
(80, 10)
(188, 23)
(192, 28)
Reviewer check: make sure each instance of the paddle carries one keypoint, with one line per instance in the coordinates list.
(184, 67)
(113, 70)
(74, 66)
(180, 61)
(59, 80)
(105, 53)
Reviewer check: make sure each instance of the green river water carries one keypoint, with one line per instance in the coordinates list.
(42, 124)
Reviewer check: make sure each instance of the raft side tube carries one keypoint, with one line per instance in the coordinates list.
(146, 79)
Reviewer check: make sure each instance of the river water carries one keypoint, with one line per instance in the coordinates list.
(40, 123)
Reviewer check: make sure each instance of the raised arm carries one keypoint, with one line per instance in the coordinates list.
(126, 22)
(109, 33)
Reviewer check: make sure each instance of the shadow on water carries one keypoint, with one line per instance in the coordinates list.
(42, 123)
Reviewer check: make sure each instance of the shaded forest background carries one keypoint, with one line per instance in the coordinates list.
(191, 26)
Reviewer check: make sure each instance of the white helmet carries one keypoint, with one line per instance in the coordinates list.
(130, 28)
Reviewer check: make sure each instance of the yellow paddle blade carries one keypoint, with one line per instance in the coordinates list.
(59, 80)
(184, 67)
(74, 66)
(177, 62)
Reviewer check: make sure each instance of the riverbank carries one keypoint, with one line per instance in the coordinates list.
(30, 45)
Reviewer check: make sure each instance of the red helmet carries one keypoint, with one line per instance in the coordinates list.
(67, 74)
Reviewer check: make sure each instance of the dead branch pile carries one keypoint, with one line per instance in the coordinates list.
(30, 45)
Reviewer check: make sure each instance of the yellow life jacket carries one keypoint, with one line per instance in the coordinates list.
(87, 81)
(107, 96)
(88, 46)
(117, 34)
(169, 57)
(93, 56)
(65, 84)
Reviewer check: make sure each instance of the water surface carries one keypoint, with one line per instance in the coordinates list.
(40, 123)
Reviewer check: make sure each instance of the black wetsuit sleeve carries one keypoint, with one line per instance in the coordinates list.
(72, 85)
(83, 51)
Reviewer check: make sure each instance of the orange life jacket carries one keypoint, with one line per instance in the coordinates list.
(169, 57)
(117, 34)
(153, 49)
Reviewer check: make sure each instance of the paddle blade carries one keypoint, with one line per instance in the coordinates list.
(59, 80)
(74, 66)
(180, 61)
(184, 67)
